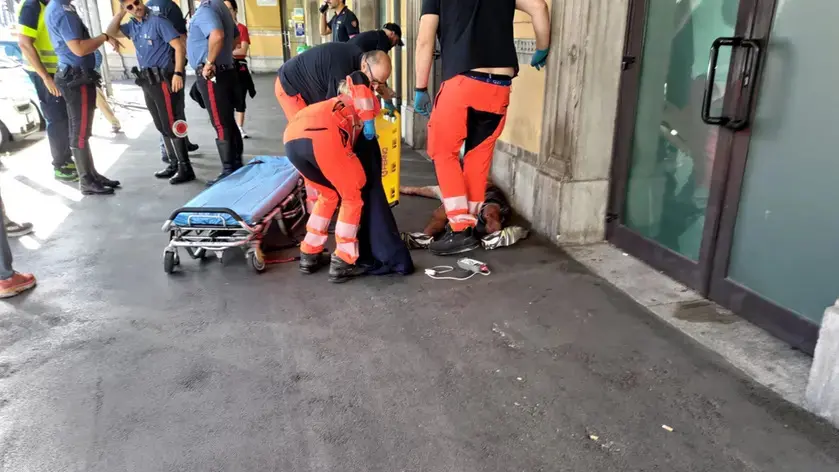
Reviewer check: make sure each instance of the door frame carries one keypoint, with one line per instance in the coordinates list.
(708, 275)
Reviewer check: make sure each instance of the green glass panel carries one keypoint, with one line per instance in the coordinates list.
(672, 149)
(786, 239)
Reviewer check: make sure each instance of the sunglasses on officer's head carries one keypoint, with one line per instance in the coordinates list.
(131, 6)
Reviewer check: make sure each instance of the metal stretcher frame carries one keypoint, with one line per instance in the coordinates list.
(197, 239)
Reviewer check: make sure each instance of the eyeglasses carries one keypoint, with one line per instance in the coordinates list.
(373, 80)
(131, 6)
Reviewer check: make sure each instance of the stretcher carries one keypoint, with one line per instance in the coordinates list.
(389, 130)
(237, 212)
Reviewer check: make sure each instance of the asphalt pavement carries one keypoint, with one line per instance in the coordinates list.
(112, 365)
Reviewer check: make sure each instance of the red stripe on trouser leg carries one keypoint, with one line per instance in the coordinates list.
(83, 124)
(447, 130)
(318, 225)
(291, 104)
(211, 91)
(168, 99)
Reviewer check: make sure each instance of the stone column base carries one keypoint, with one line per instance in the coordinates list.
(822, 395)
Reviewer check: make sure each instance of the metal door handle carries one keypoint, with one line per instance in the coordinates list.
(746, 81)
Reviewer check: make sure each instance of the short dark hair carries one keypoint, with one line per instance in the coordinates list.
(233, 4)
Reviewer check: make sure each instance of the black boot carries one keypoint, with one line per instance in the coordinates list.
(185, 172)
(172, 164)
(310, 263)
(88, 184)
(228, 160)
(340, 271)
(104, 180)
(454, 242)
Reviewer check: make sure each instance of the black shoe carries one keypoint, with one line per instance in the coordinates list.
(190, 147)
(106, 181)
(310, 263)
(454, 242)
(88, 184)
(340, 271)
(170, 170)
(184, 167)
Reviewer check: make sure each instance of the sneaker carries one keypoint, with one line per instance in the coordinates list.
(16, 284)
(67, 174)
(16, 230)
(243, 133)
(454, 242)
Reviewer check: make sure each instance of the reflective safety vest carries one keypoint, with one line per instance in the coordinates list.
(42, 41)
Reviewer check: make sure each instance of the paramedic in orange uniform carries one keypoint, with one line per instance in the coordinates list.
(479, 63)
(319, 142)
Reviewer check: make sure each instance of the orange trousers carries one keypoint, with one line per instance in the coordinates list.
(291, 104)
(470, 111)
(322, 158)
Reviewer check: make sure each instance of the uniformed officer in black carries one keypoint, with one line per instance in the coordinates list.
(77, 79)
(343, 25)
(382, 40)
(161, 75)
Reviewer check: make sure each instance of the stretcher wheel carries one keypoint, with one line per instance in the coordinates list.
(169, 262)
(256, 260)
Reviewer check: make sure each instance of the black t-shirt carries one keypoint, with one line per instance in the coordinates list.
(372, 41)
(343, 25)
(316, 73)
(474, 34)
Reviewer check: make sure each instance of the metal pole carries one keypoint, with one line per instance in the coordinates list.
(96, 29)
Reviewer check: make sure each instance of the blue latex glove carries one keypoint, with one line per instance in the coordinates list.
(370, 129)
(540, 58)
(422, 102)
(390, 108)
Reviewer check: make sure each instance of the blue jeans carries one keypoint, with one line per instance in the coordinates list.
(54, 110)
(6, 271)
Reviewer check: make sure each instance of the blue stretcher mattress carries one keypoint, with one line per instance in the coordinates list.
(252, 192)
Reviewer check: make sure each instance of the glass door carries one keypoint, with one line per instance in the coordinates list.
(665, 206)
(294, 27)
(779, 240)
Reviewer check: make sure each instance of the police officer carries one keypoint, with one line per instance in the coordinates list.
(171, 11)
(314, 76)
(342, 26)
(162, 80)
(40, 63)
(77, 80)
(212, 34)
(479, 63)
(383, 39)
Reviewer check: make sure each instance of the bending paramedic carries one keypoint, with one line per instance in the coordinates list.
(161, 76)
(77, 81)
(479, 63)
(319, 142)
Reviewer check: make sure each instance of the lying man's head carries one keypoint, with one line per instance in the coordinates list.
(490, 213)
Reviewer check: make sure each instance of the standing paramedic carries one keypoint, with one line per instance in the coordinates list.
(319, 142)
(479, 63)
(240, 58)
(212, 34)
(170, 10)
(342, 26)
(40, 63)
(77, 80)
(162, 78)
(314, 76)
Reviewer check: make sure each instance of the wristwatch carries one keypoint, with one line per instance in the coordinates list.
(179, 74)
(107, 38)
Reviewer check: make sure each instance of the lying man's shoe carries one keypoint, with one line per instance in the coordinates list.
(16, 230)
(454, 242)
(16, 284)
(340, 271)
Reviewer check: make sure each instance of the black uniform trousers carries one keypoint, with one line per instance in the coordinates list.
(78, 87)
(166, 107)
(219, 97)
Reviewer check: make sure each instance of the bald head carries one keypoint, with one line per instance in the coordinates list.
(376, 66)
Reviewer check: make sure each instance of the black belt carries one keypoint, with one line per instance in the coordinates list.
(74, 76)
(152, 75)
(219, 68)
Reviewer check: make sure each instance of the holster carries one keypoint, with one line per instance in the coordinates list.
(77, 76)
(151, 76)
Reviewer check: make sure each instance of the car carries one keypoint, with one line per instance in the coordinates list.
(19, 116)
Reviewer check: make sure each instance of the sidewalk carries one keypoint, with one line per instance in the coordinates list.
(112, 365)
